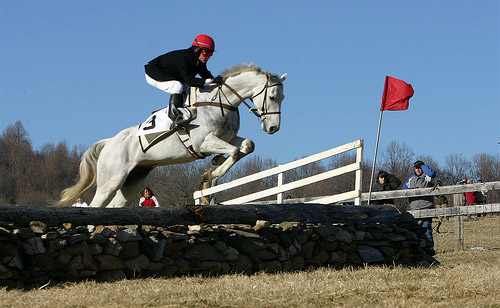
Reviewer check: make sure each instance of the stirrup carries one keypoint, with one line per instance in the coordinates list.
(180, 121)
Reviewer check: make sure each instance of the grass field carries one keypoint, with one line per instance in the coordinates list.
(469, 278)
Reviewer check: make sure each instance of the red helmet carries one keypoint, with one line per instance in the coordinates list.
(204, 41)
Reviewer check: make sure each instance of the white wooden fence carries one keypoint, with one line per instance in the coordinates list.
(457, 210)
(282, 187)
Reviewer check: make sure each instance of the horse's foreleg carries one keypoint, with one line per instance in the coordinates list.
(236, 149)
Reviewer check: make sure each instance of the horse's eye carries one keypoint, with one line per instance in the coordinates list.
(272, 98)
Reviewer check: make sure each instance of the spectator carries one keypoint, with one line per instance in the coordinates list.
(422, 177)
(80, 203)
(441, 201)
(471, 196)
(481, 195)
(459, 198)
(385, 182)
(148, 198)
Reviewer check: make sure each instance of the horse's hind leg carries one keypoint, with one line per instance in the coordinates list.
(105, 191)
(111, 174)
(133, 185)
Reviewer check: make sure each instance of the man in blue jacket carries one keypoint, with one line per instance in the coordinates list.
(422, 177)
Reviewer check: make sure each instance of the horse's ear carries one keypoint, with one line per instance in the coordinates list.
(283, 77)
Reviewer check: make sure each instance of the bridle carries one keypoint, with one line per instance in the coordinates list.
(256, 111)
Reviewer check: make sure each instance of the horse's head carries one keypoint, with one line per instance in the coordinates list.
(264, 90)
(268, 102)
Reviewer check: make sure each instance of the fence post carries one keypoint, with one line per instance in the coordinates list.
(359, 174)
(280, 183)
(459, 224)
(459, 232)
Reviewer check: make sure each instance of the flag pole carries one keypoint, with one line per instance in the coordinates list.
(375, 157)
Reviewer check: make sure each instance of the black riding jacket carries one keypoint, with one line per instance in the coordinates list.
(181, 65)
(392, 183)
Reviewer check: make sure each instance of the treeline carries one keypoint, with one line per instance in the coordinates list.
(36, 177)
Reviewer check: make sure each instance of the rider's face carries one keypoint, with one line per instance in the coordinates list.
(205, 55)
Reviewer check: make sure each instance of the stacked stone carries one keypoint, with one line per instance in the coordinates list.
(37, 254)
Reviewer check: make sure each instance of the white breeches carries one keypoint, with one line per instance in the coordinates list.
(171, 86)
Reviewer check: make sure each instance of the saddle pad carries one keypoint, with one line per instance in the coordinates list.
(156, 122)
(157, 125)
(147, 141)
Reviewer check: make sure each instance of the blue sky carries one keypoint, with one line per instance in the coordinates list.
(74, 70)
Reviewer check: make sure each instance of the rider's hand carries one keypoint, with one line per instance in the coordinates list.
(218, 80)
(208, 81)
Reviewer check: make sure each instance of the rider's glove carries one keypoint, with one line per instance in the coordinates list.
(218, 80)
(208, 81)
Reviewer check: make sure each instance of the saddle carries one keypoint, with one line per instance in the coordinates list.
(157, 126)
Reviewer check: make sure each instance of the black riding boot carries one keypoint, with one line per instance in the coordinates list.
(173, 110)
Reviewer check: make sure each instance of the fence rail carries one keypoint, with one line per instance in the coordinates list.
(435, 191)
(457, 211)
(281, 187)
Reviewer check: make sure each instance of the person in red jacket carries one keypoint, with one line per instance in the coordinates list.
(148, 198)
(174, 70)
(471, 198)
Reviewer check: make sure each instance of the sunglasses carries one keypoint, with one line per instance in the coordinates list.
(207, 53)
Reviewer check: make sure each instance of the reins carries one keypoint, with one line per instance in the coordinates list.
(259, 114)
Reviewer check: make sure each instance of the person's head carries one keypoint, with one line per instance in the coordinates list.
(147, 193)
(204, 47)
(438, 183)
(382, 177)
(479, 180)
(463, 181)
(418, 167)
(79, 199)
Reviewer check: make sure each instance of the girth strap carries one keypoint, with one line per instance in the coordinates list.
(186, 141)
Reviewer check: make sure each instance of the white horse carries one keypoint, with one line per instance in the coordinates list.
(119, 167)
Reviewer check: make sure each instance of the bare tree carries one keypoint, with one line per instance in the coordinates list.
(174, 184)
(344, 182)
(249, 165)
(456, 168)
(398, 159)
(487, 167)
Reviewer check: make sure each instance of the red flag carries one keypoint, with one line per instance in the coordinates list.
(397, 93)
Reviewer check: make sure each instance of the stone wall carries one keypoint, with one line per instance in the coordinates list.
(35, 255)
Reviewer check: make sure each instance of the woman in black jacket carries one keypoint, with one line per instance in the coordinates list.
(385, 182)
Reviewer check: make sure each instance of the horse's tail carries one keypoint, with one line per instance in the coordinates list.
(87, 176)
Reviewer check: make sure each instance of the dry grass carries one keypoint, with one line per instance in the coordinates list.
(464, 279)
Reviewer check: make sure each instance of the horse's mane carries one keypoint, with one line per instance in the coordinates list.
(240, 68)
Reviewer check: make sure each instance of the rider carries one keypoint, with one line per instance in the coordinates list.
(169, 73)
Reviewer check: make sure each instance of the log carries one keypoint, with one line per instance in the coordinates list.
(215, 214)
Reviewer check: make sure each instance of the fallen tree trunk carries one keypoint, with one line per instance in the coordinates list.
(216, 214)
